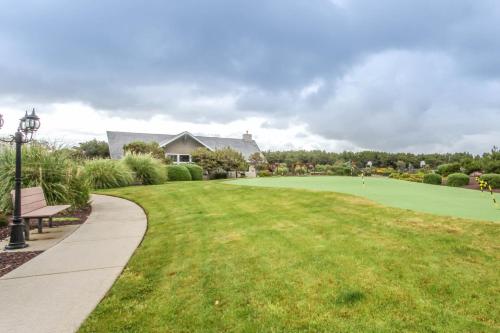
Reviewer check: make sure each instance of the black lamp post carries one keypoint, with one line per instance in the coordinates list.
(28, 125)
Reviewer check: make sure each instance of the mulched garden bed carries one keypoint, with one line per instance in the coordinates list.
(473, 185)
(11, 260)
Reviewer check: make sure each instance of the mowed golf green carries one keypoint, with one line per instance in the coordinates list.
(226, 258)
(440, 200)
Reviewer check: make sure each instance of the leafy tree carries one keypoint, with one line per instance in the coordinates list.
(258, 161)
(93, 149)
(141, 147)
(205, 158)
(226, 159)
(230, 160)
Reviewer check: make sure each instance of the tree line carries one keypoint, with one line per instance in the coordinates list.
(382, 159)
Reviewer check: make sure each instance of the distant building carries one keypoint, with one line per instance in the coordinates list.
(180, 147)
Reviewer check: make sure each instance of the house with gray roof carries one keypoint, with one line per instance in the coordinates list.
(180, 147)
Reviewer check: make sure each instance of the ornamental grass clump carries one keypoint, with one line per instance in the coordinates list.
(60, 178)
(105, 173)
(146, 169)
(457, 179)
(178, 173)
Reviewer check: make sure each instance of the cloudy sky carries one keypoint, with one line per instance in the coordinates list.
(421, 75)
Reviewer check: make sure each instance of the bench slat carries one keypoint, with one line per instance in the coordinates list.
(30, 199)
(32, 207)
(47, 211)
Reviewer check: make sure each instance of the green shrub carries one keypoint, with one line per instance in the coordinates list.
(300, 170)
(322, 168)
(147, 169)
(264, 173)
(196, 171)
(493, 179)
(457, 179)
(339, 171)
(218, 174)
(282, 170)
(177, 172)
(433, 178)
(447, 169)
(105, 173)
(48, 168)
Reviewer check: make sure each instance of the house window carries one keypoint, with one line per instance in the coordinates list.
(184, 158)
(179, 158)
(173, 157)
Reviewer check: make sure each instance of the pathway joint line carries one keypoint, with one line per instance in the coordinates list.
(100, 239)
(57, 273)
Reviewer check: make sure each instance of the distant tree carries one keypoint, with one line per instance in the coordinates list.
(92, 149)
(491, 161)
(141, 147)
(401, 165)
(258, 161)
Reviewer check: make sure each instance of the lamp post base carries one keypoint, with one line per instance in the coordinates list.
(16, 246)
(17, 240)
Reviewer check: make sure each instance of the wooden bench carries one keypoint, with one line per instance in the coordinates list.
(34, 206)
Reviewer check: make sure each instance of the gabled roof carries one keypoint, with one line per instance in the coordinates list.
(117, 140)
(166, 142)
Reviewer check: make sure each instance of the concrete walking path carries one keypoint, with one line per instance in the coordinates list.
(58, 289)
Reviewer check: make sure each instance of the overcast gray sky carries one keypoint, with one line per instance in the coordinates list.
(316, 74)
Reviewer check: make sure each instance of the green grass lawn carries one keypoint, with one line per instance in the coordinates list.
(440, 200)
(225, 258)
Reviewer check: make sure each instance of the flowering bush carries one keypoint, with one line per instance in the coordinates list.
(411, 177)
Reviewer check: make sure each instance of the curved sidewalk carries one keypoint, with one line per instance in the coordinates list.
(57, 290)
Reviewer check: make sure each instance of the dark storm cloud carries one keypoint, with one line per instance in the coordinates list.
(346, 69)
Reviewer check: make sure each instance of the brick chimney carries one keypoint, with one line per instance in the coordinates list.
(247, 136)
